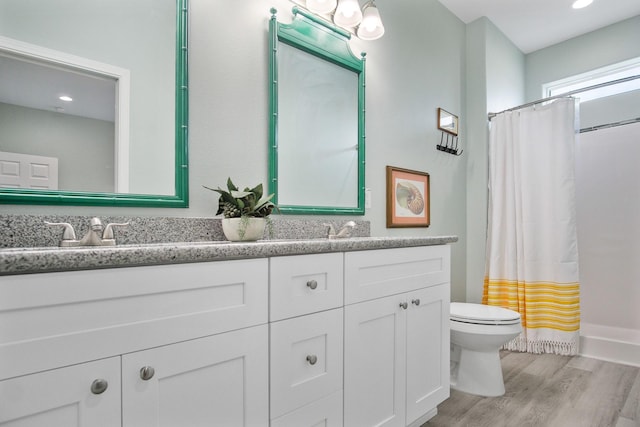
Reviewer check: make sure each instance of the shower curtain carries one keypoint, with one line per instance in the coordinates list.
(532, 252)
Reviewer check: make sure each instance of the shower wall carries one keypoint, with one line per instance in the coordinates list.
(608, 218)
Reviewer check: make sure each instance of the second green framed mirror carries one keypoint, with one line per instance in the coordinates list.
(317, 122)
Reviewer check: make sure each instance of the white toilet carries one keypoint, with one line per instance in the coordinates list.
(477, 333)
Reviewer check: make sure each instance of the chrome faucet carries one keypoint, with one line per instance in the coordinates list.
(344, 232)
(97, 235)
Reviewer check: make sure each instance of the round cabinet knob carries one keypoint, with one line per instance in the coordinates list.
(404, 305)
(312, 359)
(312, 284)
(99, 386)
(416, 301)
(147, 372)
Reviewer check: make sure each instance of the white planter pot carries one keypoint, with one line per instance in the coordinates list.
(253, 229)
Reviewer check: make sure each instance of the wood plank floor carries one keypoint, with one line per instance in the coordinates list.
(550, 391)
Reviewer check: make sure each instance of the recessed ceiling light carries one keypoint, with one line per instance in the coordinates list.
(579, 4)
(65, 98)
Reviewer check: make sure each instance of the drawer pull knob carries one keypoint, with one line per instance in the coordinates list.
(147, 372)
(312, 359)
(404, 305)
(416, 301)
(99, 386)
(312, 284)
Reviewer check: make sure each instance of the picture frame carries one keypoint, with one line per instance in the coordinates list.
(447, 122)
(408, 194)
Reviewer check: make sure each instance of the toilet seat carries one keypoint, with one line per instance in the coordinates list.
(480, 314)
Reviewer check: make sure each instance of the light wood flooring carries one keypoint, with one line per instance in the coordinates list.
(550, 391)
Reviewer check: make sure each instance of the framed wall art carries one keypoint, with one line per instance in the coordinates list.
(407, 198)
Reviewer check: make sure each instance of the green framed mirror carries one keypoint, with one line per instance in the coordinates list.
(317, 118)
(126, 145)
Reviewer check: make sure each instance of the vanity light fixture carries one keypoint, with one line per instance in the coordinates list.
(321, 6)
(347, 14)
(579, 4)
(371, 27)
(65, 98)
(365, 22)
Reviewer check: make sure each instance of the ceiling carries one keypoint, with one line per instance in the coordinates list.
(536, 24)
(38, 85)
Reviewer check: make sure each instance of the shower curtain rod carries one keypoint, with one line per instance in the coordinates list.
(610, 125)
(568, 94)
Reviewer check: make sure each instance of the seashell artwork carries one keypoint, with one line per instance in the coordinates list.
(409, 197)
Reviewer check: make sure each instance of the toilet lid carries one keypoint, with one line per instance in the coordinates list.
(483, 314)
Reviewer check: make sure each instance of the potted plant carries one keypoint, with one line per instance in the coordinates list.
(245, 211)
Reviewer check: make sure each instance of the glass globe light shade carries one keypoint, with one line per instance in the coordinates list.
(347, 14)
(371, 27)
(321, 6)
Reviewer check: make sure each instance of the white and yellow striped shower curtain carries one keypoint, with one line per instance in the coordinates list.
(532, 251)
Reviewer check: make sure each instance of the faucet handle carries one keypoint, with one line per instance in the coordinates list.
(108, 230)
(345, 231)
(332, 231)
(68, 234)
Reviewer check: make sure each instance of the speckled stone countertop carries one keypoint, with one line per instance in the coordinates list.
(49, 259)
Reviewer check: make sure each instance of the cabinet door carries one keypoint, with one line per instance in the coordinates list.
(427, 350)
(218, 380)
(64, 397)
(374, 363)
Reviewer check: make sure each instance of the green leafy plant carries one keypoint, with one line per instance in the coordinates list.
(244, 204)
(250, 202)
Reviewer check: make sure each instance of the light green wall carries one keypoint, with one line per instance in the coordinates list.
(427, 59)
(606, 46)
(415, 68)
(418, 66)
(495, 81)
(476, 153)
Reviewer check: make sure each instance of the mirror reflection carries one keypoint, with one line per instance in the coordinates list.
(59, 123)
(118, 65)
(318, 128)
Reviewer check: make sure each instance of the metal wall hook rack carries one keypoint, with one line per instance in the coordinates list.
(444, 144)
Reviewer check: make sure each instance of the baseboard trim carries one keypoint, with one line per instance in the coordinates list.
(595, 344)
(423, 419)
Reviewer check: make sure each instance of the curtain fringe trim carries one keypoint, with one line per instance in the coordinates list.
(542, 346)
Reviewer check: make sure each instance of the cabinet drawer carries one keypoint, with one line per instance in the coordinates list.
(305, 284)
(58, 319)
(378, 273)
(323, 412)
(306, 360)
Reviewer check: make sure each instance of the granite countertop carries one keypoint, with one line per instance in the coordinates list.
(49, 259)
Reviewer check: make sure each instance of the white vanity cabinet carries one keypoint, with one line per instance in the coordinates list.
(355, 338)
(197, 332)
(396, 362)
(306, 333)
